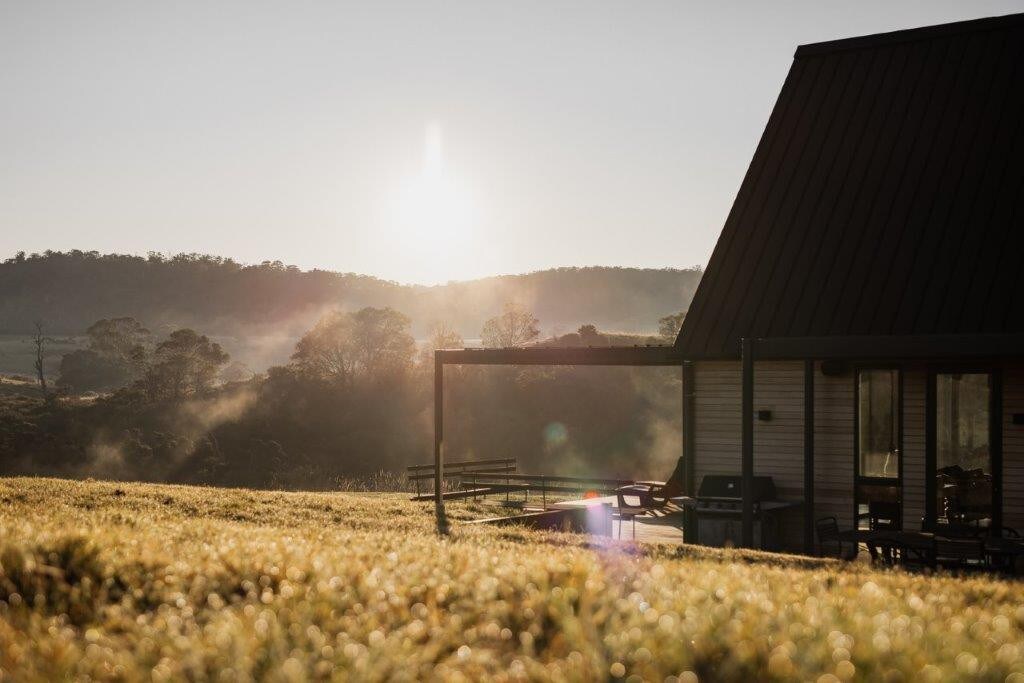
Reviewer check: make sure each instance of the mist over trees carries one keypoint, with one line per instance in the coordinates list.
(354, 398)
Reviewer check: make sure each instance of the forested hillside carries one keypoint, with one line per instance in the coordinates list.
(68, 291)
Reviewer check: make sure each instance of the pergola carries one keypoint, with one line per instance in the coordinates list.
(637, 356)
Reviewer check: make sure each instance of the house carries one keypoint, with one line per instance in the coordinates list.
(859, 332)
(858, 335)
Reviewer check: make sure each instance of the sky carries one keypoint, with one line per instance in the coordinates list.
(419, 142)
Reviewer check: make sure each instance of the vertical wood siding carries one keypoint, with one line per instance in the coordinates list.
(778, 442)
(833, 447)
(914, 380)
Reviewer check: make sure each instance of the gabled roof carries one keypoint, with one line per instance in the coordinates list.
(885, 198)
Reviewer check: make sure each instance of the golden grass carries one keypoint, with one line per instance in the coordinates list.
(127, 581)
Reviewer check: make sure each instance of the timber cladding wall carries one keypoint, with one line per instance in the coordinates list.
(1013, 448)
(833, 446)
(914, 386)
(778, 442)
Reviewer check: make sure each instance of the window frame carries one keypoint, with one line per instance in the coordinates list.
(858, 478)
(995, 435)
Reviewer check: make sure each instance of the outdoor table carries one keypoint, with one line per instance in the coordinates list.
(1006, 553)
(919, 543)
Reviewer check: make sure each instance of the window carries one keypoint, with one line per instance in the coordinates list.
(963, 459)
(878, 420)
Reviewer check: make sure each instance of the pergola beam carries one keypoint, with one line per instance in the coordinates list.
(665, 356)
(895, 347)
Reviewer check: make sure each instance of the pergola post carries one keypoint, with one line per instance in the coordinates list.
(442, 521)
(809, 457)
(747, 443)
(689, 449)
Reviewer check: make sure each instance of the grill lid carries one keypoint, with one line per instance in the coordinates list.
(729, 487)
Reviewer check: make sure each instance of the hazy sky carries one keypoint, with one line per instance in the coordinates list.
(419, 142)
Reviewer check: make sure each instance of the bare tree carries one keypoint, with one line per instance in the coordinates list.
(514, 327)
(40, 340)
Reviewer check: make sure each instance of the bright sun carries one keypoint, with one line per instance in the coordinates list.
(434, 210)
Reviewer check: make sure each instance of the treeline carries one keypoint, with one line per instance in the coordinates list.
(70, 290)
(355, 398)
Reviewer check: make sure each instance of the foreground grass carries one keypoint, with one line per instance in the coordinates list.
(116, 581)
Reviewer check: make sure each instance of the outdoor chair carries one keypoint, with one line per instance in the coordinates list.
(883, 516)
(632, 504)
(656, 494)
(828, 534)
(960, 553)
(888, 551)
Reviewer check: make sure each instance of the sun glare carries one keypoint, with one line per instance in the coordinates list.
(434, 210)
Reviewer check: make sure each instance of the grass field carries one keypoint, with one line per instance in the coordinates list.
(129, 582)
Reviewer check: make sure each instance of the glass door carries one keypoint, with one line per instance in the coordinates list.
(964, 484)
(878, 480)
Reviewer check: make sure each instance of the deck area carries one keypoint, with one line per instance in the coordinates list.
(658, 526)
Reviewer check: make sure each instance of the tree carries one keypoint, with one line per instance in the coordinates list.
(185, 364)
(514, 327)
(344, 347)
(236, 372)
(116, 355)
(124, 339)
(86, 370)
(668, 327)
(40, 340)
(442, 336)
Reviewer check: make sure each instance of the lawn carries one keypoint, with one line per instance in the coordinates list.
(128, 581)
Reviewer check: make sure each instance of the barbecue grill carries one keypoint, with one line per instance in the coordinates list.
(718, 507)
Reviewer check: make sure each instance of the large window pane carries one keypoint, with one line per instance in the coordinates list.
(878, 420)
(963, 464)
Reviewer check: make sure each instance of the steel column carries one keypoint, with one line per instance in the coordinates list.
(809, 457)
(442, 520)
(689, 449)
(747, 448)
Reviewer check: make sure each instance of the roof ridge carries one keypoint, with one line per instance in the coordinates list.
(910, 35)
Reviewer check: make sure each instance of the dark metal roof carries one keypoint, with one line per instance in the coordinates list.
(885, 198)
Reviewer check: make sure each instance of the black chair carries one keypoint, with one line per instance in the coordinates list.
(883, 515)
(828, 534)
(657, 494)
(888, 551)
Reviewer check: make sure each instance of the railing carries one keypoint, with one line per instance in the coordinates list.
(544, 483)
(459, 470)
(483, 477)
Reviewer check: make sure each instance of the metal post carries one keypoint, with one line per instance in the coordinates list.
(747, 448)
(442, 520)
(689, 449)
(809, 457)
(930, 422)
